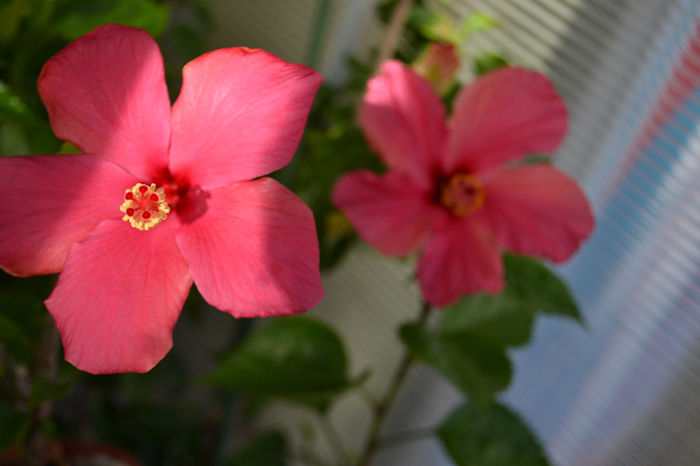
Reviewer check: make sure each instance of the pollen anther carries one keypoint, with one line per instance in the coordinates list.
(144, 206)
(462, 194)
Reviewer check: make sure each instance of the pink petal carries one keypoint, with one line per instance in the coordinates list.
(240, 115)
(49, 203)
(504, 115)
(105, 92)
(253, 251)
(390, 212)
(461, 259)
(404, 121)
(537, 210)
(119, 296)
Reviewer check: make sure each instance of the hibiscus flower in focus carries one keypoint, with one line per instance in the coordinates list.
(460, 190)
(161, 196)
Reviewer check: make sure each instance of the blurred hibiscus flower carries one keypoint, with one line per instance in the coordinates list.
(461, 191)
(161, 196)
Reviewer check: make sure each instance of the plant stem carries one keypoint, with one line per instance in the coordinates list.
(382, 408)
(393, 32)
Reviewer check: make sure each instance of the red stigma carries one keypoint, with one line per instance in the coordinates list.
(129, 195)
(146, 214)
(154, 197)
(130, 212)
(143, 189)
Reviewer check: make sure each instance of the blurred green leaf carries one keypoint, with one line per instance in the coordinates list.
(12, 425)
(537, 287)
(296, 358)
(13, 109)
(11, 13)
(487, 61)
(269, 449)
(491, 436)
(82, 16)
(502, 318)
(506, 319)
(11, 332)
(68, 148)
(23, 315)
(433, 25)
(476, 22)
(477, 366)
(47, 390)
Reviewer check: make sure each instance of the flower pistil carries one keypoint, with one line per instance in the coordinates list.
(462, 194)
(144, 206)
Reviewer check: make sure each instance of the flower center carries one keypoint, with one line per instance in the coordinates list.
(144, 206)
(462, 194)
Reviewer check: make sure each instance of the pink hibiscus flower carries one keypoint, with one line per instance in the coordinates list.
(161, 196)
(457, 190)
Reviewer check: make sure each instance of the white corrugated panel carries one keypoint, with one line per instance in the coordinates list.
(624, 391)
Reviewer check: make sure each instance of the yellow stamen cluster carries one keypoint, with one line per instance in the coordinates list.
(462, 194)
(144, 206)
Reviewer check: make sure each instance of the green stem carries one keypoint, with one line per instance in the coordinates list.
(382, 408)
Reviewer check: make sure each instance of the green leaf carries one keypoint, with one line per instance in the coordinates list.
(487, 61)
(268, 449)
(476, 22)
(14, 110)
(477, 366)
(68, 148)
(13, 425)
(295, 358)
(491, 436)
(47, 390)
(502, 318)
(538, 287)
(86, 15)
(506, 319)
(433, 26)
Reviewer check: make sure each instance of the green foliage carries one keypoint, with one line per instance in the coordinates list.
(539, 288)
(269, 449)
(296, 359)
(477, 366)
(490, 436)
(79, 17)
(469, 345)
(332, 145)
(23, 315)
(14, 110)
(487, 61)
(13, 425)
(502, 319)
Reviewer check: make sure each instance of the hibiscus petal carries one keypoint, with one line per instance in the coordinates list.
(240, 115)
(504, 115)
(253, 250)
(460, 259)
(391, 212)
(51, 201)
(537, 210)
(119, 296)
(105, 92)
(404, 121)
